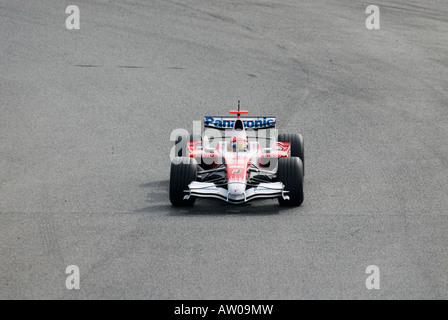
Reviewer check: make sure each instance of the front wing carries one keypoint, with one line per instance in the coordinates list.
(210, 190)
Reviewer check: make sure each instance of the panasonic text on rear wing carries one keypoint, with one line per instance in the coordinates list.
(249, 122)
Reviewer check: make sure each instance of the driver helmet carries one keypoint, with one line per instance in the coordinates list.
(239, 143)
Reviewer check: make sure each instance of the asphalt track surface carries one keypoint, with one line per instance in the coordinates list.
(85, 123)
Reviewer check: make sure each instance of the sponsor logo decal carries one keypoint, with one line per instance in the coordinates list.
(261, 189)
(207, 190)
(248, 123)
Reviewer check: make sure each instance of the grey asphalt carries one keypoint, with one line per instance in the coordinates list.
(85, 123)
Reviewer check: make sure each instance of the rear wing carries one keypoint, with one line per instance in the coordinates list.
(250, 123)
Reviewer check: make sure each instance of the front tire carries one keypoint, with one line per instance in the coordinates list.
(290, 173)
(183, 172)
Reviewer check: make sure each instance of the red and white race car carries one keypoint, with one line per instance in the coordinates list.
(227, 162)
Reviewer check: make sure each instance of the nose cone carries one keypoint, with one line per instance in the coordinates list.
(236, 190)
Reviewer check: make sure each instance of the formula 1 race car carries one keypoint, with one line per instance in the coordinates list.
(228, 162)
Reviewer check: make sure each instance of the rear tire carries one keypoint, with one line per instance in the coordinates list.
(183, 172)
(195, 137)
(181, 143)
(290, 173)
(297, 145)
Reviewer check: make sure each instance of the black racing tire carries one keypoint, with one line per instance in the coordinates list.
(290, 173)
(297, 145)
(195, 137)
(182, 143)
(183, 172)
